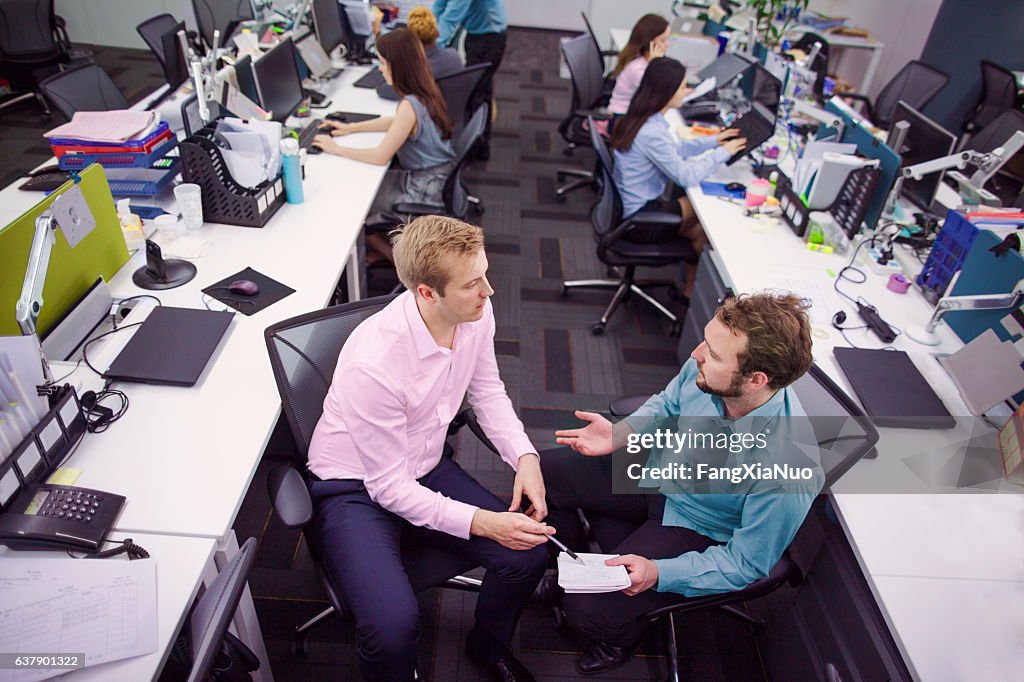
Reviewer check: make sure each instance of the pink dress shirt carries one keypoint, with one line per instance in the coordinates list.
(626, 84)
(387, 412)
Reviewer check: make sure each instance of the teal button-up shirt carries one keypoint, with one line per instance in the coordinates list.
(477, 16)
(757, 519)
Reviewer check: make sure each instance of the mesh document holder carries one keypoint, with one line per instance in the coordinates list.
(850, 207)
(224, 200)
(948, 254)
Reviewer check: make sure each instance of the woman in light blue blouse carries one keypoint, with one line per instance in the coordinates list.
(648, 158)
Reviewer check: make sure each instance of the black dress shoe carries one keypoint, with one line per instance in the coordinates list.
(601, 656)
(548, 592)
(500, 665)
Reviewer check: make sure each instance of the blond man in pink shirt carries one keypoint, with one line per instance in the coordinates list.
(378, 464)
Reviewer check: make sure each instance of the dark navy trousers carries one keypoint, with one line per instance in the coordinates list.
(360, 542)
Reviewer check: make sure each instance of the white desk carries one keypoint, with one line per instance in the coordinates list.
(184, 457)
(947, 570)
(182, 566)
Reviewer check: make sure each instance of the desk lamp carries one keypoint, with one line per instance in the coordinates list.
(71, 215)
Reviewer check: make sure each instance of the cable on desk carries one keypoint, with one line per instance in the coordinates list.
(120, 302)
(227, 302)
(127, 546)
(85, 348)
(98, 418)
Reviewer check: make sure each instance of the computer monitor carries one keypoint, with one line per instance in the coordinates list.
(358, 19)
(175, 68)
(327, 23)
(926, 140)
(726, 68)
(762, 90)
(278, 81)
(246, 79)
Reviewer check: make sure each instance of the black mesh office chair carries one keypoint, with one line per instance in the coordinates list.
(33, 45)
(83, 88)
(845, 435)
(609, 82)
(457, 88)
(916, 84)
(586, 75)
(304, 353)
(615, 252)
(218, 15)
(215, 653)
(998, 94)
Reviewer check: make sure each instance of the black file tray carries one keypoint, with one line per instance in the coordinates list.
(224, 200)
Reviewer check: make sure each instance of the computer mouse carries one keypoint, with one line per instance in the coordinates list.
(244, 287)
(314, 150)
(736, 187)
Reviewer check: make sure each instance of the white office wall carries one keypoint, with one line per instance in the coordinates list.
(563, 15)
(113, 22)
(902, 25)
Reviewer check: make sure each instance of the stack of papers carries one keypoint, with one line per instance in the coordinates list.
(592, 576)
(107, 126)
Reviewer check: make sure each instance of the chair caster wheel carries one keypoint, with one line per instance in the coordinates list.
(300, 646)
(563, 292)
(567, 151)
(560, 198)
(676, 329)
(478, 209)
(597, 329)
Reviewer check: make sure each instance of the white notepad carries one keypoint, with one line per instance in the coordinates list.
(592, 576)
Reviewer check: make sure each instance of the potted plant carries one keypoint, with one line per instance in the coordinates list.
(769, 31)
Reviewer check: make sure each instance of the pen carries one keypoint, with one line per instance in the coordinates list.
(565, 549)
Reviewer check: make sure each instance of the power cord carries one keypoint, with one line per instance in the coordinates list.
(869, 313)
(98, 418)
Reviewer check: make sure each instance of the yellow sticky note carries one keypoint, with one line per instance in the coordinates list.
(64, 476)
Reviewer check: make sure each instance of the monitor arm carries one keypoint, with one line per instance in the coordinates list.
(926, 336)
(31, 300)
(826, 118)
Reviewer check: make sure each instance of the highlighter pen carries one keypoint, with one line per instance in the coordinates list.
(565, 549)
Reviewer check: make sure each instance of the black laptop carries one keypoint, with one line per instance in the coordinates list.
(892, 390)
(172, 347)
(763, 91)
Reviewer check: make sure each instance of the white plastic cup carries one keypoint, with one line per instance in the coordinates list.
(169, 225)
(190, 203)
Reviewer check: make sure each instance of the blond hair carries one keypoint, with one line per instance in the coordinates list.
(422, 23)
(421, 245)
(778, 335)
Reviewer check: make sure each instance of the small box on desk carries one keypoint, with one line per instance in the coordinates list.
(1011, 446)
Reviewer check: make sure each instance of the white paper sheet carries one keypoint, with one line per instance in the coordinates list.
(592, 576)
(104, 609)
(703, 88)
(106, 126)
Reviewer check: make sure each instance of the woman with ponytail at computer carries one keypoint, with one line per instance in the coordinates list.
(419, 133)
(648, 157)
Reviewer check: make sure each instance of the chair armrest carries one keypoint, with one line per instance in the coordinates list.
(609, 53)
(627, 405)
(641, 218)
(863, 99)
(289, 496)
(60, 28)
(240, 654)
(596, 114)
(468, 418)
(404, 208)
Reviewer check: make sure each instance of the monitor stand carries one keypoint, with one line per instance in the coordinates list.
(160, 274)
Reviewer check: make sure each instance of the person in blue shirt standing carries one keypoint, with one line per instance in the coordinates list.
(648, 158)
(485, 22)
(695, 532)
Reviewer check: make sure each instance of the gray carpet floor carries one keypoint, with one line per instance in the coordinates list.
(549, 361)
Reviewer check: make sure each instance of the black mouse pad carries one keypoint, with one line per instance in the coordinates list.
(271, 291)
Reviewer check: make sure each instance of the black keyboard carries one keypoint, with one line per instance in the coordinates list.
(756, 129)
(308, 133)
(46, 180)
(371, 79)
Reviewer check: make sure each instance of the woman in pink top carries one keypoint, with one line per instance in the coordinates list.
(648, 40)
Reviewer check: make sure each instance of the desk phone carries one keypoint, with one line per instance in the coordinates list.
(59, 517)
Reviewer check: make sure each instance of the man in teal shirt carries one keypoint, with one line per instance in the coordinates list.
(720, 521)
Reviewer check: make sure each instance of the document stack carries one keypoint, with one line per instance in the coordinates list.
(592, 575)
(132, 147)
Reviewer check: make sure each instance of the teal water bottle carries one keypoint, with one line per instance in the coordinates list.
(292, 170)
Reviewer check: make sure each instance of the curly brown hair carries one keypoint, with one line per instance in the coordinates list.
(778, 333)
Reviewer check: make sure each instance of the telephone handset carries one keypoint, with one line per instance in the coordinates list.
(59, 517)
